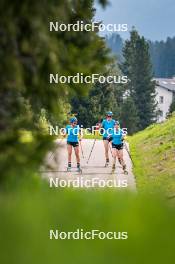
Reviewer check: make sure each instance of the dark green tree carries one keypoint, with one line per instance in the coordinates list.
(163, 57)
(138, 68)
(102, 98)
(115, 43)
(92, 108)
(129, 116)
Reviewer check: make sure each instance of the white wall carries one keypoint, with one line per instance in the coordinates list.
(167, 100)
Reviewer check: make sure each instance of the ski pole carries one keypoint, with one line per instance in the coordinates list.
(128, 153)
(91, 151)
(82, 150)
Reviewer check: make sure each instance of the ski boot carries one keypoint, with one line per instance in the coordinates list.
(107, 163)
(69, 167)
(124, 169)
(119, 160)
(79, 168)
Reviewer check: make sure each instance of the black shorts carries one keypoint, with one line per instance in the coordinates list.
(119, 147)
(109, 139)
(73, 144)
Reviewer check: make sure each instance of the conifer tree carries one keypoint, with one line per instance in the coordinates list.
(102, 98)
(141, 87)
(129, 115)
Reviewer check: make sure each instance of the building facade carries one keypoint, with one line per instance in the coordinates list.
(165, 93)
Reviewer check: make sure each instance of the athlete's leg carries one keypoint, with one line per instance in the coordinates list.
(76, 149)
(69, 151)
(106, 146)
(114, 154)
(120, 156)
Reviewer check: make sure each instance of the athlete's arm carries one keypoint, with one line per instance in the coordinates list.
(64, 134)
(101, 124)
(110, 134)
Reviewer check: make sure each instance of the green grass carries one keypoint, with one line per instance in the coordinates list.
(92, 137)
(153, 152)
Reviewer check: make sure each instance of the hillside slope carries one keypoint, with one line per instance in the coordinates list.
(153, 153)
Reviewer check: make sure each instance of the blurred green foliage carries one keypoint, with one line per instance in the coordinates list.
(29, 52)
(26, 220)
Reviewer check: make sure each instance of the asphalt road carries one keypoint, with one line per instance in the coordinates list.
(94, 171)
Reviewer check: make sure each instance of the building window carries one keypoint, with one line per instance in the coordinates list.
(161, 99)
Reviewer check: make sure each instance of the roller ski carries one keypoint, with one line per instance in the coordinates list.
(68, 169)
(107, 163)
(79, 170)
(125, 170)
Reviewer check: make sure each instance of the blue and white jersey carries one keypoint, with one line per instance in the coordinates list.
(107, 125)
(117, 136)
(72, 133)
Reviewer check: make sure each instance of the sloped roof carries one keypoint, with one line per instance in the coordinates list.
(168, 84)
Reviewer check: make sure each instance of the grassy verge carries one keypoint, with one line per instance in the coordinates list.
(153, 152)
(92, 137)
